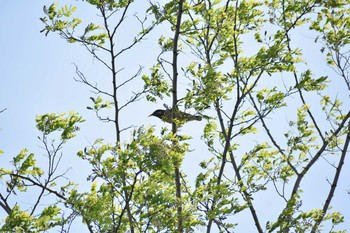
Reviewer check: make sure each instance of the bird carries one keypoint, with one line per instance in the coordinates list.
(166, 116)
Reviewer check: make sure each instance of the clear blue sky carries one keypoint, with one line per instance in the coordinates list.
(37, 77)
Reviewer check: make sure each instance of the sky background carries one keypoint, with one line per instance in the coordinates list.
(37, 77)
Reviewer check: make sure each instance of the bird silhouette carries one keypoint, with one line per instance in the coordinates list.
(166, 116)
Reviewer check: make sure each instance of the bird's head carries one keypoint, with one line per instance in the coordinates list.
(158, 113)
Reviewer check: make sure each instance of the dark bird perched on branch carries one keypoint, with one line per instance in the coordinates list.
(166, 115)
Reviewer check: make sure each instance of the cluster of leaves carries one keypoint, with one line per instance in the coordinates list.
(26, 174)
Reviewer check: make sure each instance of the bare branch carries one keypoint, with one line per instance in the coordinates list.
(4, 204)
(136, 40)
(132, 78)
(161, 61)
(134, 98)
(122, 18)
(126, 128)
(33, 182)
(83, 79)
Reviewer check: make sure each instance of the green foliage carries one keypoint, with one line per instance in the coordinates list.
(26, 164)
(309, 84)
(155, 85)
(21, 221)
(55, 14)
(27, 173)
(60, 20)
(49, 123)
(99, 104)
(146, 165)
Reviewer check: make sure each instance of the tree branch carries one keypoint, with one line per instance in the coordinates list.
(173, 112)
(334, 183)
